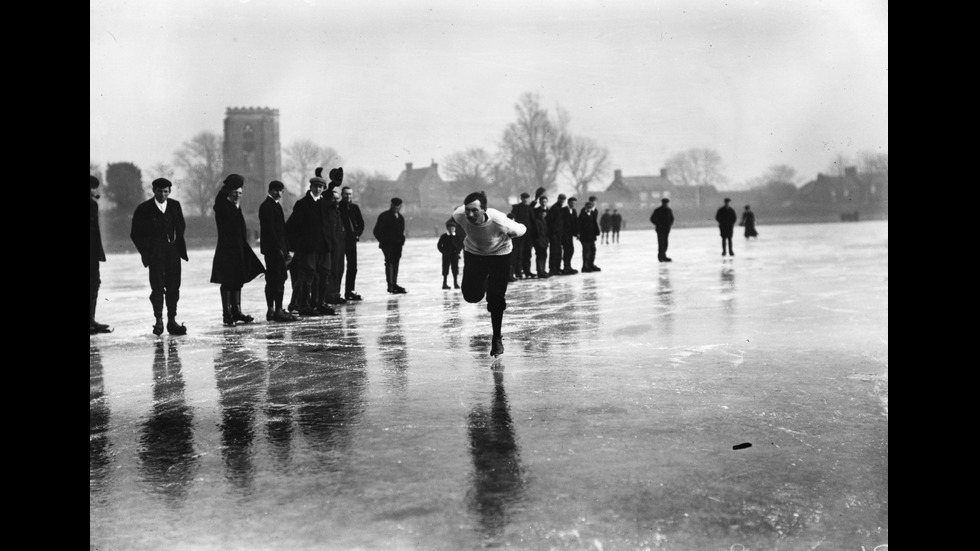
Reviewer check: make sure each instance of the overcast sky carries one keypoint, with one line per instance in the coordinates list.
(384, 82)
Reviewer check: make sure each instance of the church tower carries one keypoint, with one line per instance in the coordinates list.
(252, 150)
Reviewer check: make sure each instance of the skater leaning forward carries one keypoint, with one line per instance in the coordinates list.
(486, 253)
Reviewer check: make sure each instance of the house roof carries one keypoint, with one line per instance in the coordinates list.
(648, 183)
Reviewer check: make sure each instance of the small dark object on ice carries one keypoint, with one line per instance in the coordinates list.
(742, 446)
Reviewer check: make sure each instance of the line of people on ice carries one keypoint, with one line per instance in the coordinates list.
(321, 235)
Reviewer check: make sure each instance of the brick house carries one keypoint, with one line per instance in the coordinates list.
(636, 191)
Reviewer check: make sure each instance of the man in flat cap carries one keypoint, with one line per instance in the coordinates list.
(234, 264)
(96, 255)
(520, 212)
(389, 230)
(306, 231)
(338, 241)
(275, 248)
(556, 232)
(350, 213)
(569, 233)
(158, 233)
(662, 219)
(726, 218)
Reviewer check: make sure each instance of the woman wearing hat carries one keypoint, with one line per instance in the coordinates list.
(235, 264)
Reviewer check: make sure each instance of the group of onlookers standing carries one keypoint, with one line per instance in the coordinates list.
(321, 235)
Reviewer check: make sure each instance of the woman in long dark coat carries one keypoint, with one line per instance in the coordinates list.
(748, 220)
(235, 264)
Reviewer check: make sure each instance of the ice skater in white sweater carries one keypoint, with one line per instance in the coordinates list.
(486, 258)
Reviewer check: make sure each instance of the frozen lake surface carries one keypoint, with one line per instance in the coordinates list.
(610, 423)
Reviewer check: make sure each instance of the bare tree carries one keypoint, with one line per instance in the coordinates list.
(302, 158)
(585, 161)
(535, 145)
(124, 187)
(873, 162)
(838, 165)
(696, 167)
(472, 167)
(201, 162)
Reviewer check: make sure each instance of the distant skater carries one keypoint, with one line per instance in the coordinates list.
(158, 233)
(389, 230)
(234, 264)
(748, 220)
(486, 266)
(96, 255)
(726, 219)
(617, 224)
(450, 249)
(605, 224)
(662, 219)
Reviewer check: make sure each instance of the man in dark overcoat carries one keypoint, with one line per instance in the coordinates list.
(569, 233)
(726, 218)
(158, 233)
(588, 232)
(350, 213)
(338, 242)
(389, 230)
(306, 231)
(617, 223)
(605, 224)
(556, 233)
(662, 219)
(275, 249)
(538, 237)
(521, 256)
(96, 255)
(595, 218)
(234, 264)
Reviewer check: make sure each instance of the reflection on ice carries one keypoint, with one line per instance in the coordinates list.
(388, 426)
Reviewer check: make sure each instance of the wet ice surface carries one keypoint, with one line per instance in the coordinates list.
(609, 423)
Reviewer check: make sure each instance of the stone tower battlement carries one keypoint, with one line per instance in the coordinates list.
(252, 150)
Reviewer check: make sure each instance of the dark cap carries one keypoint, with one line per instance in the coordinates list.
(395, 201)
(539, 192)
(665, 200)
(161, 183)
(727, 200)
(234, 181)
(451, 223)
(276, 184)
(562, 197)
(93, 182)
(318, 181)
(337, 175)
(525, 195)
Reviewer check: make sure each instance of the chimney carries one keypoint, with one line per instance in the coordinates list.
(408, 167)
(851, 171)
(663, 172)
(617, 175)
(435, 165)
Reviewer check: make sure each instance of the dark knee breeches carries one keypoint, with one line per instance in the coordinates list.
(486, 276)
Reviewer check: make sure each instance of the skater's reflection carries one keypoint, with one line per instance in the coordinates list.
(498, 477)
(451, 322)
(665, 296)
(589, 306)
(278, 404)
(728, 295)
(167, 459)
(98, 416)
(394, 350)
(329, 390)
(240, 376)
